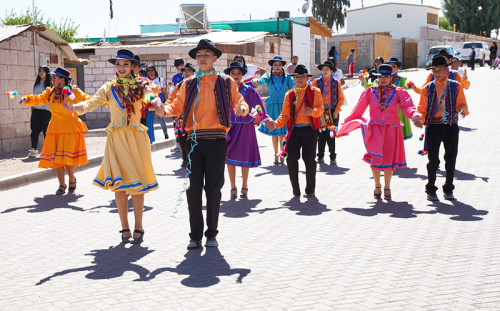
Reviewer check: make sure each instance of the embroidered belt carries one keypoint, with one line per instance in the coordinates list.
(209, 134)
(440, 120)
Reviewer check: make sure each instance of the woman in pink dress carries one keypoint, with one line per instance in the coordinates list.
(382, 135)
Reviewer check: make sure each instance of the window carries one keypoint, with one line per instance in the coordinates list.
(271, 47)
(317, 51)
(432, 19)
(399, 15)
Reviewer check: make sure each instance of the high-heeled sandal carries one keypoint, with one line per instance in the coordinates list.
(244, 195)
(234, 193)
(138, 239)
(72, 189)
(276, 160)
(387, 196)
(125, 239)
(61, 190)
(377, 196)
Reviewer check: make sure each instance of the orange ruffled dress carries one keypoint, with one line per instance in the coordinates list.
(64, 142)
(127, 164)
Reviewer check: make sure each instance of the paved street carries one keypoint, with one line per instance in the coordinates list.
(341, 251)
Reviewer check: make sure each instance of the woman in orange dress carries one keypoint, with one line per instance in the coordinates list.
(64, 145)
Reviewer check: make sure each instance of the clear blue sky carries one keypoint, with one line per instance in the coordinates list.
(93, 15)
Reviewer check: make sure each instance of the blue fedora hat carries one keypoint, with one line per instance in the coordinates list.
(236, 65)
(276, 59)
(125, 55)
(384, 70)
(61, 72)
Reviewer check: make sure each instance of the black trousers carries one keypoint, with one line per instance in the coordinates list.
(207, 172)
(304, 138)
(39, 122)
(182, 139)
(472, 62)
(448, 135)
(323, 139)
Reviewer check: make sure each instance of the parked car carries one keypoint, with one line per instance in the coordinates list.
(435, 49)
(482, 53)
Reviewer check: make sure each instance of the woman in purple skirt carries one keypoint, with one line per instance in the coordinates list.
(242, 148)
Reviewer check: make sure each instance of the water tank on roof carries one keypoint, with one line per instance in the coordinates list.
(283, 14)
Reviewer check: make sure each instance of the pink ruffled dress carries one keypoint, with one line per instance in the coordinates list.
(382, 135)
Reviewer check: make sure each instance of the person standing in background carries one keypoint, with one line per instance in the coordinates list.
(291, 67)
(178, 64)
(153, 76)
(351, 60)
(472, 58)
(333, 54)
(40, 115)
(493, 53)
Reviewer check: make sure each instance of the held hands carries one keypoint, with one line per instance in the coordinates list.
(270, 124)
(160, 110)
(242, 111)
(21, 102)
(335, 115)
(462, 111)
(255, 83)
(417, 122)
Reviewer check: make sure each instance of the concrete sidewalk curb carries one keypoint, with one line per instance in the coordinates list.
(45, 174)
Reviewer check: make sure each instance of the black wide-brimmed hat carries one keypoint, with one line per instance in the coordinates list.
(384, 70)
(276, 59)
(205, 44)
(394, 60)
(125, 55)
(454, 59)
(178, 62)
(438, 60)
(235, 65)
(444, 52)
(188, 66)
(301, 70)
(61, 72)
(138, 58)
(328, 64)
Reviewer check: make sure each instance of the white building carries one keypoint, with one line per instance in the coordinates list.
(399, 19)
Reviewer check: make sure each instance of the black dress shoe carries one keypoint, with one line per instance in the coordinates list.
(449, 196)
(140, 238)
(432, 197)
(125, 239)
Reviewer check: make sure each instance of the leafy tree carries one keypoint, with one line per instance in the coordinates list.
(473, 16)
(330, 12)
(66, 28)
(444, 23)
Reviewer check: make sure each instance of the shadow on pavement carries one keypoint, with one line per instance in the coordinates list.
(332, 169)
(50, 202)
(311, 207)
(242, 208)
(179, 173)
(29, 160)
(113, 209)
(409, 172)
(111, 263)
(459, 210)
(466, 129)
(203, 271)
(274, 170)
(401, 209)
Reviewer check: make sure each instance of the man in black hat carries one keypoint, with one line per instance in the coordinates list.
(301, 108)
(441, 101)
(205, 101)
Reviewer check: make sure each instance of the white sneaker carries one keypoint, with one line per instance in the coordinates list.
(176, 148)
(32, 153)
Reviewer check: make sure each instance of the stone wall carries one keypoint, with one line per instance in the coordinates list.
(19, 74)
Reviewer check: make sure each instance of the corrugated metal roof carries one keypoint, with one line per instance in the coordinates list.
(218, 37)
(7, 32)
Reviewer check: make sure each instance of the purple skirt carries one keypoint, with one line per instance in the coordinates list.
(242, 147)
